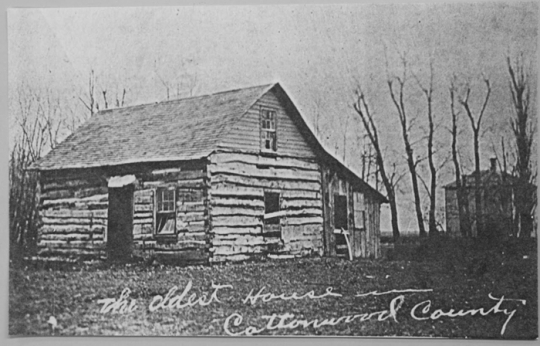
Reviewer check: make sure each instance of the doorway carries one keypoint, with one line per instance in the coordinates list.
(120, 223)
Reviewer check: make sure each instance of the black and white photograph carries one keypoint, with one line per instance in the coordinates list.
(274, 170)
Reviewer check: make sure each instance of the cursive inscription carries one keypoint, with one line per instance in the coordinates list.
(422, 311)
(266, 297)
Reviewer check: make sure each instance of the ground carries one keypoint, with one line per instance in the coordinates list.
(438, 274)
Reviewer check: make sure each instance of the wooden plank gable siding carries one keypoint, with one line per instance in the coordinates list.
(245, 134)
(74, 211)
(237, 186)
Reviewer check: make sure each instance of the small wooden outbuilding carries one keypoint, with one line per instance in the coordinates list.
(228, 176)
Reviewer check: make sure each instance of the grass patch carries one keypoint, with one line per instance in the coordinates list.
(461, 274)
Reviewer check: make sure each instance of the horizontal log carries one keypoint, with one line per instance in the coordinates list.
(68, 213)
(267, 166)
(73, 184)
(229, 258)
(144, 200)
(191, 226)
(73, 201)
(73, 221)
(192, 216)
(304, 244)
(190, 206)
(266, 183)
(268, 174)
(79, 244)
(236, 230)
(143, 215)
(48, 251)
(243, 240)
(140, 221)
(143, 207)
(66, 229)
(195, 236)
(301, 203)
(234, 191)
(143, 228)
(193, 183)
(143, 236)
(237, 249)
(220, 158)
(69, 236)
(235, 202)
(237, 211)
(305, 195)
(81, 193)
(239, 221)
(175, 175)
(183, 255)
(304, 220)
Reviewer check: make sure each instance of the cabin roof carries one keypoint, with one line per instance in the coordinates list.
(177, 130)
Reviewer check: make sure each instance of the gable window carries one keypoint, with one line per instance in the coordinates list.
(166, 211)
(272, 215)
(268, 129)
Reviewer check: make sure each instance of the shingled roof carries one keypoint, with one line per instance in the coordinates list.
(178, 130)
(184, 129)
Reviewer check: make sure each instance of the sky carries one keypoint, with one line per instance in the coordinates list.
(319, 53)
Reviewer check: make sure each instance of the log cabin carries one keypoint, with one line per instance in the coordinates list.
(231, 176)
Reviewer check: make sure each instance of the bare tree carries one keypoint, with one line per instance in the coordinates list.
(428, 93)
(37, 130)
(475, 126)
(398, 100)
(461, 193)
(91, 102)
(523, 129)
(362, 109)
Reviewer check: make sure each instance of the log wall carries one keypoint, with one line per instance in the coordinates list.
(73, 214)
(74, 209)
(238, 182)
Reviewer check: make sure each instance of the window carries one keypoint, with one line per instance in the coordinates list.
(272, 215)
(340, 212)
(268, 130)
(166, 211)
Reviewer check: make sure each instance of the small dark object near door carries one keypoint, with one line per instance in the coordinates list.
(120, 223)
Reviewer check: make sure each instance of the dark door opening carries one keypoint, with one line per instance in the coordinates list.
(340, 224)
(120, 223)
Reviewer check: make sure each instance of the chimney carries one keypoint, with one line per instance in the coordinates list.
(493, 161)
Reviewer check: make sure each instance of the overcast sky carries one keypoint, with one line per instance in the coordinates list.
(317, 52)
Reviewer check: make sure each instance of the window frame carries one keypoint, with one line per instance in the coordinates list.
(266, 129)
(159, 213)
(271, 228)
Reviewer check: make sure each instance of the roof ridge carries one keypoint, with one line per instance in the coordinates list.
(186, 98)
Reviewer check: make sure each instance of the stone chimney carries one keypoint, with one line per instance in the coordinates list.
(493, 161)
